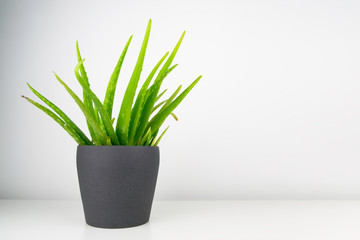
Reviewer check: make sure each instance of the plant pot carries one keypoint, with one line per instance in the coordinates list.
(117, 184)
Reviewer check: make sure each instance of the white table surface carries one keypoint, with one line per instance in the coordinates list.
(187, 220)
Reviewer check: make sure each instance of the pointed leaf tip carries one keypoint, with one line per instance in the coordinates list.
(77, 47)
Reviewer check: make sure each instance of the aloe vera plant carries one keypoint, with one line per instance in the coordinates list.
(140, 117)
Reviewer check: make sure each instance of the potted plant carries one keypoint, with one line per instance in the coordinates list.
(118, 167)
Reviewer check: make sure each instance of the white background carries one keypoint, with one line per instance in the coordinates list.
(276, 115)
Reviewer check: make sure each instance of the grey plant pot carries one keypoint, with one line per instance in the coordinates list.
(117, 184)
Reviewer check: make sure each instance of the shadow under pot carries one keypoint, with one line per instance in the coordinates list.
(117, 184)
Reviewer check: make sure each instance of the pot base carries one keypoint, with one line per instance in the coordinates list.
(114, 226)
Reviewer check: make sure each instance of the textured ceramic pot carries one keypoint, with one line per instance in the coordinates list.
(117, 184)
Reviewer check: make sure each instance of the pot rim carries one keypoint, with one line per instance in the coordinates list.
(115, 146)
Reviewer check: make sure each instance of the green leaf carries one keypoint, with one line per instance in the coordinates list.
(168, 101)
(146, 138)
(97, 118)
(165, 70)
(158, 105)
(135, 113)
(153, 138)
(105, 119)
(161, 135)
(86, 98)
(172, 68)
(93, 135)
(145, 114)
(154, 86)
(94, 125)
(62, 115)
(160, 117)
(153, 91)
(160, 95)
(110, 91)
(122, 125)
(82, 68)
(67, 128)
(171, 98)
(174, 116)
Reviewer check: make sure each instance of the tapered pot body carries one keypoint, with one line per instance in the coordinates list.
(117, 184)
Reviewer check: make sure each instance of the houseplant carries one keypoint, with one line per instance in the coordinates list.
(118, 167)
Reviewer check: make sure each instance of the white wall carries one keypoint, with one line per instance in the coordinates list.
(276, 115)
